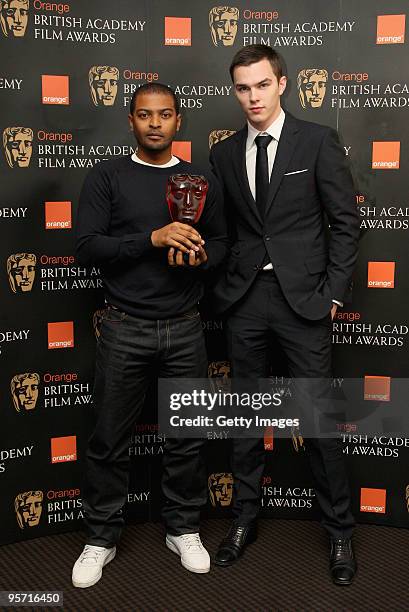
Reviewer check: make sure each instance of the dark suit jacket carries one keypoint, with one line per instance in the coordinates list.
(310, 176)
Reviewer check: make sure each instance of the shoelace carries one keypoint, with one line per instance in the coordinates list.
(91, 553)
(238, 532)
(341, 548)
(192, 540)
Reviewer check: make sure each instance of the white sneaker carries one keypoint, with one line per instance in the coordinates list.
(87, 569)
(193, 555)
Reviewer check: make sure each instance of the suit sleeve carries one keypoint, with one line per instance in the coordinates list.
(337, 194)
(94, 245)
(212, 226)
(228, 209)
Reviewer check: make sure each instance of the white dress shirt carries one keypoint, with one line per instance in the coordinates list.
(273, 130)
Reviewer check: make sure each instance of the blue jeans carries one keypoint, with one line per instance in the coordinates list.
(129, 349)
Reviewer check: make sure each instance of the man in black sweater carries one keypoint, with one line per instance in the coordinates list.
(150, 322)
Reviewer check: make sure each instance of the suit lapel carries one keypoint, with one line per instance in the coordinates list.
(287, 143)
(239, 163)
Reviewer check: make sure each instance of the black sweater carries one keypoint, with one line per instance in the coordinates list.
(121, 203)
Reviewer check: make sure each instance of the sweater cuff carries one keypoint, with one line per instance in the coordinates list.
(135, 245)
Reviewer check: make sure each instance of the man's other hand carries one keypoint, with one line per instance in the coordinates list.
(179, 236)
(196, 258)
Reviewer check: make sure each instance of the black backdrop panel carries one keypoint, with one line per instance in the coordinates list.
(56, 126)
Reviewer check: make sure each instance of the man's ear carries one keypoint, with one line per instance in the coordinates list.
(282, 84)
(130, 122)
(178, 122)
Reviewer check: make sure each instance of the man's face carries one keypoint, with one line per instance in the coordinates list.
(26, 392)
(14, 16)
(20, 147)
(186, 195)
(314, 89)
(223, 490)
(30, 511)
(225, 28)
(258, 92)
(154, 121)
(106, 87)
(23, 273)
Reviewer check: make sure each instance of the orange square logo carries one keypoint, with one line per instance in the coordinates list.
(178, 31)
(182, 149)
(381, 274)
(268, 439)
(377, 388)
(58, 215)
(373, 500)
(55, 89)
(385, 155)
(390, 29)
(61, 335)
(63, 449)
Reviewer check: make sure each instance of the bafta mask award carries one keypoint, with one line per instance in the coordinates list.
(186, 195)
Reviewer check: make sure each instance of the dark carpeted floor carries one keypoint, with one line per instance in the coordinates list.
(285, 570)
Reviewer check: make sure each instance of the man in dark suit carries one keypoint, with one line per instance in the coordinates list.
(286, 275)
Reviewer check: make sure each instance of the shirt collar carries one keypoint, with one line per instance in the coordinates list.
(274, 130)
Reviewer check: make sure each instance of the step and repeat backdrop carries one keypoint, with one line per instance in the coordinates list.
(68, 72)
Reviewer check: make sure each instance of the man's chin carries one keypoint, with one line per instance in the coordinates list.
(256, 119)
(156, 146)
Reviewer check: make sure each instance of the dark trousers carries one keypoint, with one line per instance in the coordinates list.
(129, 350)
(256, 322)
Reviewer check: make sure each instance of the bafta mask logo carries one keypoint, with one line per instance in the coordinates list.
(218, 369)
(218, 135)
(97, 322)
(312, 86)
(220, 489)
(297, 439)
(103, 82)
(219, 375)
(223, 22)
(28, 507)
(21, 270)
(14, 17)
(24, 391)
(18, 146)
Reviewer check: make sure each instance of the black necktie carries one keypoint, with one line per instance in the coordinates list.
(262, 174)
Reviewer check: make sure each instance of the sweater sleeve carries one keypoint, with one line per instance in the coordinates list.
(94, 244)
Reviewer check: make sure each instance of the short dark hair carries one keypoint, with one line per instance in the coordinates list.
(154, 88)
(255, 53)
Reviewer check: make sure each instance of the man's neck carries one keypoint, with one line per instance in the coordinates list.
(156, 158)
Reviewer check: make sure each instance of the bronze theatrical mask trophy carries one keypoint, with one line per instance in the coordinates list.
(186, 195)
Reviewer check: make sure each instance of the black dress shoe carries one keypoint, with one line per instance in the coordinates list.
(342, 561)
(233, 545)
